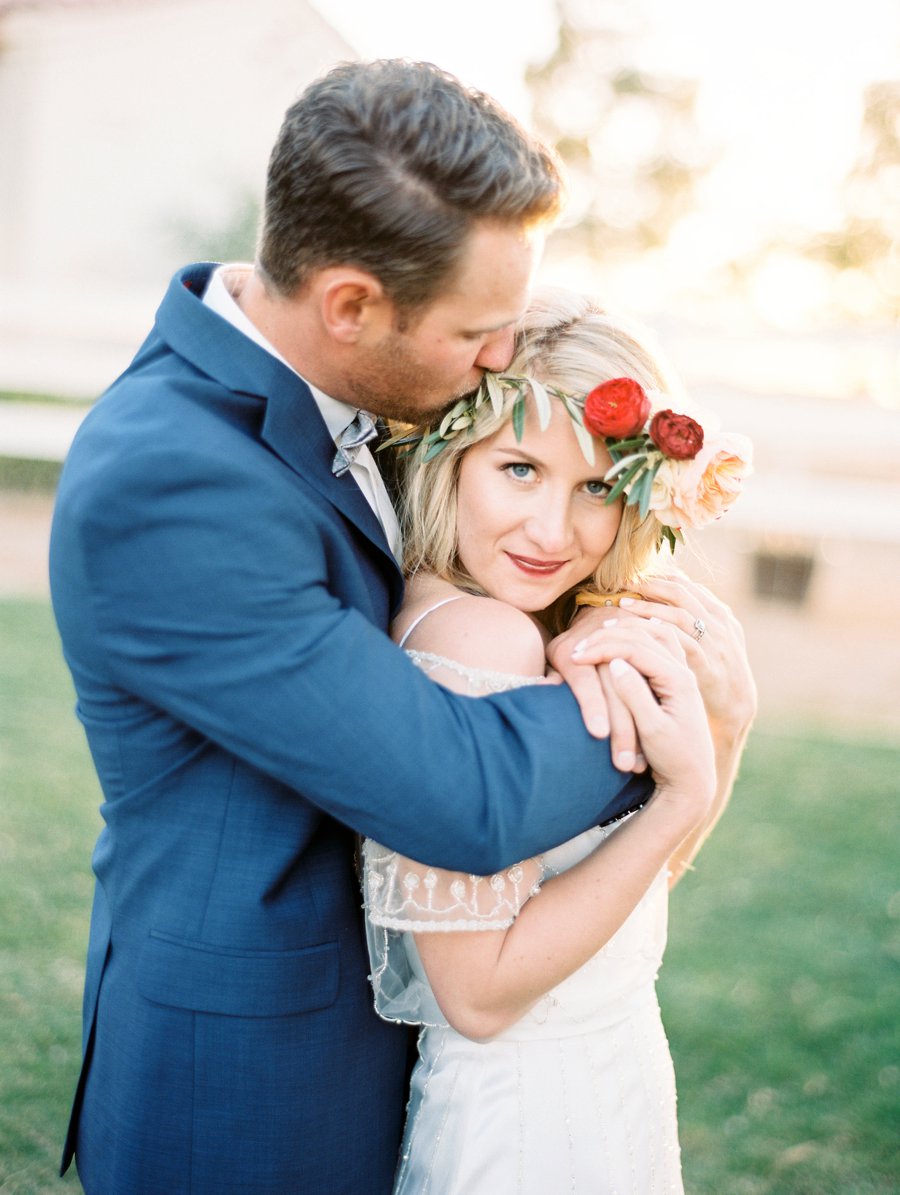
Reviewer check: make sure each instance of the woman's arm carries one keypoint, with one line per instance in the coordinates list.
(718, 658)
(486, 980)
(719, 661)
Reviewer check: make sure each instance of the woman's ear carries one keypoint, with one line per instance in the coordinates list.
(352, 303)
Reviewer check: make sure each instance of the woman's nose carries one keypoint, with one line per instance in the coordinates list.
(549, 526)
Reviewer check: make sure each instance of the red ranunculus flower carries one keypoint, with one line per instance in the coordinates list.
(616, 409)
(676, 436)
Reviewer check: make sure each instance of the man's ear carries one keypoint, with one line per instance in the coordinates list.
(352, 302)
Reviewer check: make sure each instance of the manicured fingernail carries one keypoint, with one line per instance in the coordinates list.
(617, 667)
(626, 601)
(640, 763)
(625, 761)
(599, 728)
(578, 649)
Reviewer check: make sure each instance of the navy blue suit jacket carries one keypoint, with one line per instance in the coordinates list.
(223, 600)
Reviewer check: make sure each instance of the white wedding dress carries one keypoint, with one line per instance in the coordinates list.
(576, 1098)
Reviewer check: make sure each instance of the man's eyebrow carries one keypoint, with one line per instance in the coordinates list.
(507, 323)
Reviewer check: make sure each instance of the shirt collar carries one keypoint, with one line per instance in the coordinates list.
(218, 296)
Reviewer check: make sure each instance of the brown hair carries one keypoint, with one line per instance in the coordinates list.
(386, 165)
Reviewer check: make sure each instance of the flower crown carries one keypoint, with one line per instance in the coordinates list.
(662, 461)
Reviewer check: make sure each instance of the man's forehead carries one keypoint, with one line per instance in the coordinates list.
(484, 309)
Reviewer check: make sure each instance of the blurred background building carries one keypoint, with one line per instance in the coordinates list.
(134, 133)
(134, 136)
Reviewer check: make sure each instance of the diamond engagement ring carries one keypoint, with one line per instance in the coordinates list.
(699, 629)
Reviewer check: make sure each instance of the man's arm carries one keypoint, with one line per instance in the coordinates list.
(203, 590)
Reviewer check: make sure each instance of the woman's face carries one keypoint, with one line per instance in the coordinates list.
(532, 515)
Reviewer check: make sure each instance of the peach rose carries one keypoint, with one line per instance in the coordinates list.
(696, 492)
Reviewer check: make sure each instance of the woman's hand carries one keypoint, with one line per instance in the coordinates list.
(706, 631)
(603, 713)
(669, 613)
(713, 642)
(661, 694)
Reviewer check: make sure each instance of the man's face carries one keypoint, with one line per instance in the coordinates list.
(466, 330)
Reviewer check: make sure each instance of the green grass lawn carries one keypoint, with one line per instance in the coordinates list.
(779, 990)
(780, 984)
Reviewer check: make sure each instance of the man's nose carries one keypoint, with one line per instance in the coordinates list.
(497, 351)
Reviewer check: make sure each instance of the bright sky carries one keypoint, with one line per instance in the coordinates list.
(780, 97)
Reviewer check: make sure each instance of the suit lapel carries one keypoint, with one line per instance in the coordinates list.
(295, 431)
(292, 426)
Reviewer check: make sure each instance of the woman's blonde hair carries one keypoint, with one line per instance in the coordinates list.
(567, 341)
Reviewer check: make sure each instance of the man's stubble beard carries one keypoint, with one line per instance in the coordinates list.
(391, 384)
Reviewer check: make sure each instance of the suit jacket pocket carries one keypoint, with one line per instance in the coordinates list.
(238, 983)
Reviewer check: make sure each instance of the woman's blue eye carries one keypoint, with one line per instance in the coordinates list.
(598, 489)
(519, 470)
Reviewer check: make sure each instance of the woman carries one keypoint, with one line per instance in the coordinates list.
(543, 1065)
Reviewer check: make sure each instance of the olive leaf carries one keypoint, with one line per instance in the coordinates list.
(542, 402)
(518, 416)
(629, 474)
(585, 440)
(495, 392)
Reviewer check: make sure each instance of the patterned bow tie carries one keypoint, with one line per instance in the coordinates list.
(351, 439)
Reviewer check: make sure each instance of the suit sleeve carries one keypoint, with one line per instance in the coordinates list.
(198, 589)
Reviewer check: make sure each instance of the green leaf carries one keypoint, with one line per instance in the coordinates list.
(623, 447)
(400, 441)
(518, 416)
(542, 402)
(669, 535)
(453, 414)
(644, 491)
(584, 438)
(625, 463)
(647, 486)
(624, 480)
(435, 450)
(495, 392)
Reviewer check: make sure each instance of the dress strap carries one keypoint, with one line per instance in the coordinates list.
(415, 622)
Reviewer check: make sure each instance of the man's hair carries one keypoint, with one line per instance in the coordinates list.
(385, 166)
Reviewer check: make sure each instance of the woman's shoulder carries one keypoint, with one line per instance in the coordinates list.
(476, 631)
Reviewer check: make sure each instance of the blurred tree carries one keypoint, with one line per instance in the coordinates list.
(865, 250)
(628, 136)
(231, 238)
(854, 268)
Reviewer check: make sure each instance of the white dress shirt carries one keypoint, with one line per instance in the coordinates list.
(337, 415)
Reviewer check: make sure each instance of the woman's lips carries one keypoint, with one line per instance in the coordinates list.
(536, 568)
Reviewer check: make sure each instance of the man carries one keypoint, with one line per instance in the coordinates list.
(223, 575)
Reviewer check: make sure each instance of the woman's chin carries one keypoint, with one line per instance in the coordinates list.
(528, 603)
